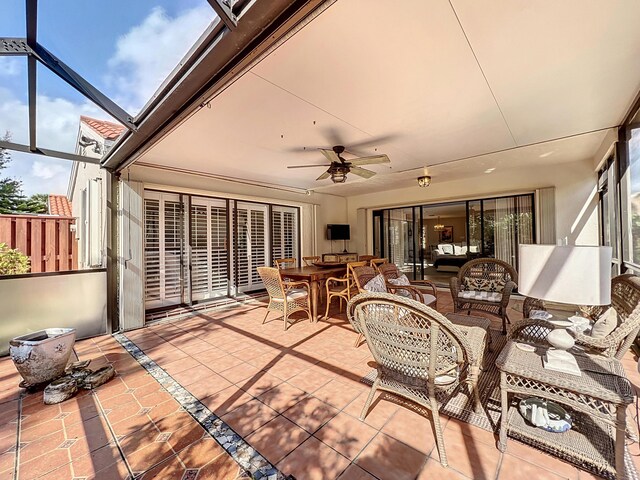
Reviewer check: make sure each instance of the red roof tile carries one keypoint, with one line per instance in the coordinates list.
(107, 130)
(60, 205)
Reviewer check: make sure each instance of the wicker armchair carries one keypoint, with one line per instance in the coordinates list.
(485, 269)
(625, 299)
(419, 354)
(341, 288)
(417, 289)
(283, 297)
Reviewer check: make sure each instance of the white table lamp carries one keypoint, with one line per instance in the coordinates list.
(579, 275)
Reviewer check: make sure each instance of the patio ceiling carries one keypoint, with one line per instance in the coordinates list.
(442, 82)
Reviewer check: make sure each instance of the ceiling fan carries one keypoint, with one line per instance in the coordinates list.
(339, 167)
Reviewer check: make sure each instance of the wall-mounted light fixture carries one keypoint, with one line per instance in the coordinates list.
(424, 181)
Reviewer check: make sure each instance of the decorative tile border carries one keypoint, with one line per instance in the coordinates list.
(244, 454)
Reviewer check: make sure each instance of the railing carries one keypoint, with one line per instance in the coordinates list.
(47, 240)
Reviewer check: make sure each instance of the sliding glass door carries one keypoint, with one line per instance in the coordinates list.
(435, 240)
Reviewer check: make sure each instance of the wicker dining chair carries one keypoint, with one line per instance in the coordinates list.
(284, 297)
(281, 263)
(341, 287)
(419, 354)
(424, 291)
(479, 271)
(376, 262)
(366, 258)
(309, 261)
(625, 300)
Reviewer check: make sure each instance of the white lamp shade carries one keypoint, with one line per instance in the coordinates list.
(579, 275)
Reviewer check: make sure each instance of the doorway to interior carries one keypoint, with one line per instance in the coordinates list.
(433, 241)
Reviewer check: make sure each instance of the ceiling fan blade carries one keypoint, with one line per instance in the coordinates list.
(370, 160)
(363, 172)
(373, 141)
(330, 155)
(306, 166)
(323, 176)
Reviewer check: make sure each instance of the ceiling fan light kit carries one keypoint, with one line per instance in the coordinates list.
(339, 167)
(424, 181)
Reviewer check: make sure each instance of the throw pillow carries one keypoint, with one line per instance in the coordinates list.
(477, 284)
(401, 280)
(376, 284)
(496, 286)
(605, 324)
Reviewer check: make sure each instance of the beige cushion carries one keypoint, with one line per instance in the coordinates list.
(401, 280)
(606, 324)
(480, 295)
(293, 294)
(428, 299)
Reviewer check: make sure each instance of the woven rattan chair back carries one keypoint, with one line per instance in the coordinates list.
(366, 258)
(625, 299)
(272, 281)
(414, 347)
(309, 261)
(376, 262)
(362, 275)
(531, 303)
(488, 269)
(389, 271)
(285, 263)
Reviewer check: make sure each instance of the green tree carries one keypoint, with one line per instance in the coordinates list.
(11, 198)
(12, 261)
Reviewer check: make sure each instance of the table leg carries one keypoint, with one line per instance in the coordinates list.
(621, 427)
(314, 300)
(502, 442)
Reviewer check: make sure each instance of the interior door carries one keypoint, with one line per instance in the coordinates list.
(209, 248)
(163, 249)
(252, 231)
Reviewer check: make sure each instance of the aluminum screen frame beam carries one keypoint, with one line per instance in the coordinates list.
(260, 26)
(18, 147)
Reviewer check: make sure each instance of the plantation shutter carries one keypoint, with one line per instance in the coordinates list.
(209, 254)
(163, 248)
(285, 232)
(251, 241)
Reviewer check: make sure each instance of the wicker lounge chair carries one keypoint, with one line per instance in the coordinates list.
(283, 295)
(625, 299)
(493, 302)
(421, 290)
(420, 355)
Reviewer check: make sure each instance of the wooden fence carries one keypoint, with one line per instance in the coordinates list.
(47, 240)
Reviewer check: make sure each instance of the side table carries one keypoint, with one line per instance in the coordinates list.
(598, 397)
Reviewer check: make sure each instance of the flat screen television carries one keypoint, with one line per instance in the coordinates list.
(338, 232)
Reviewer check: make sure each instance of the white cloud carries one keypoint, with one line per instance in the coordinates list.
(47, 170)
(9, 66)
(57, 129)
(146, 55)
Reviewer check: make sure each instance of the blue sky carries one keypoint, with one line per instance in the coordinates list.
(125, 50)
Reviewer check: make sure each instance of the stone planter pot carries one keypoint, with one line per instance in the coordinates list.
(43, 355)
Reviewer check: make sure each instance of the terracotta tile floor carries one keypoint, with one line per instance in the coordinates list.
(295, 396)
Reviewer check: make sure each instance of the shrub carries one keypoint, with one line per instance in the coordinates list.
(12, 261)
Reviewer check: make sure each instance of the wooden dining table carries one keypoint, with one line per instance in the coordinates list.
(314, 275)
